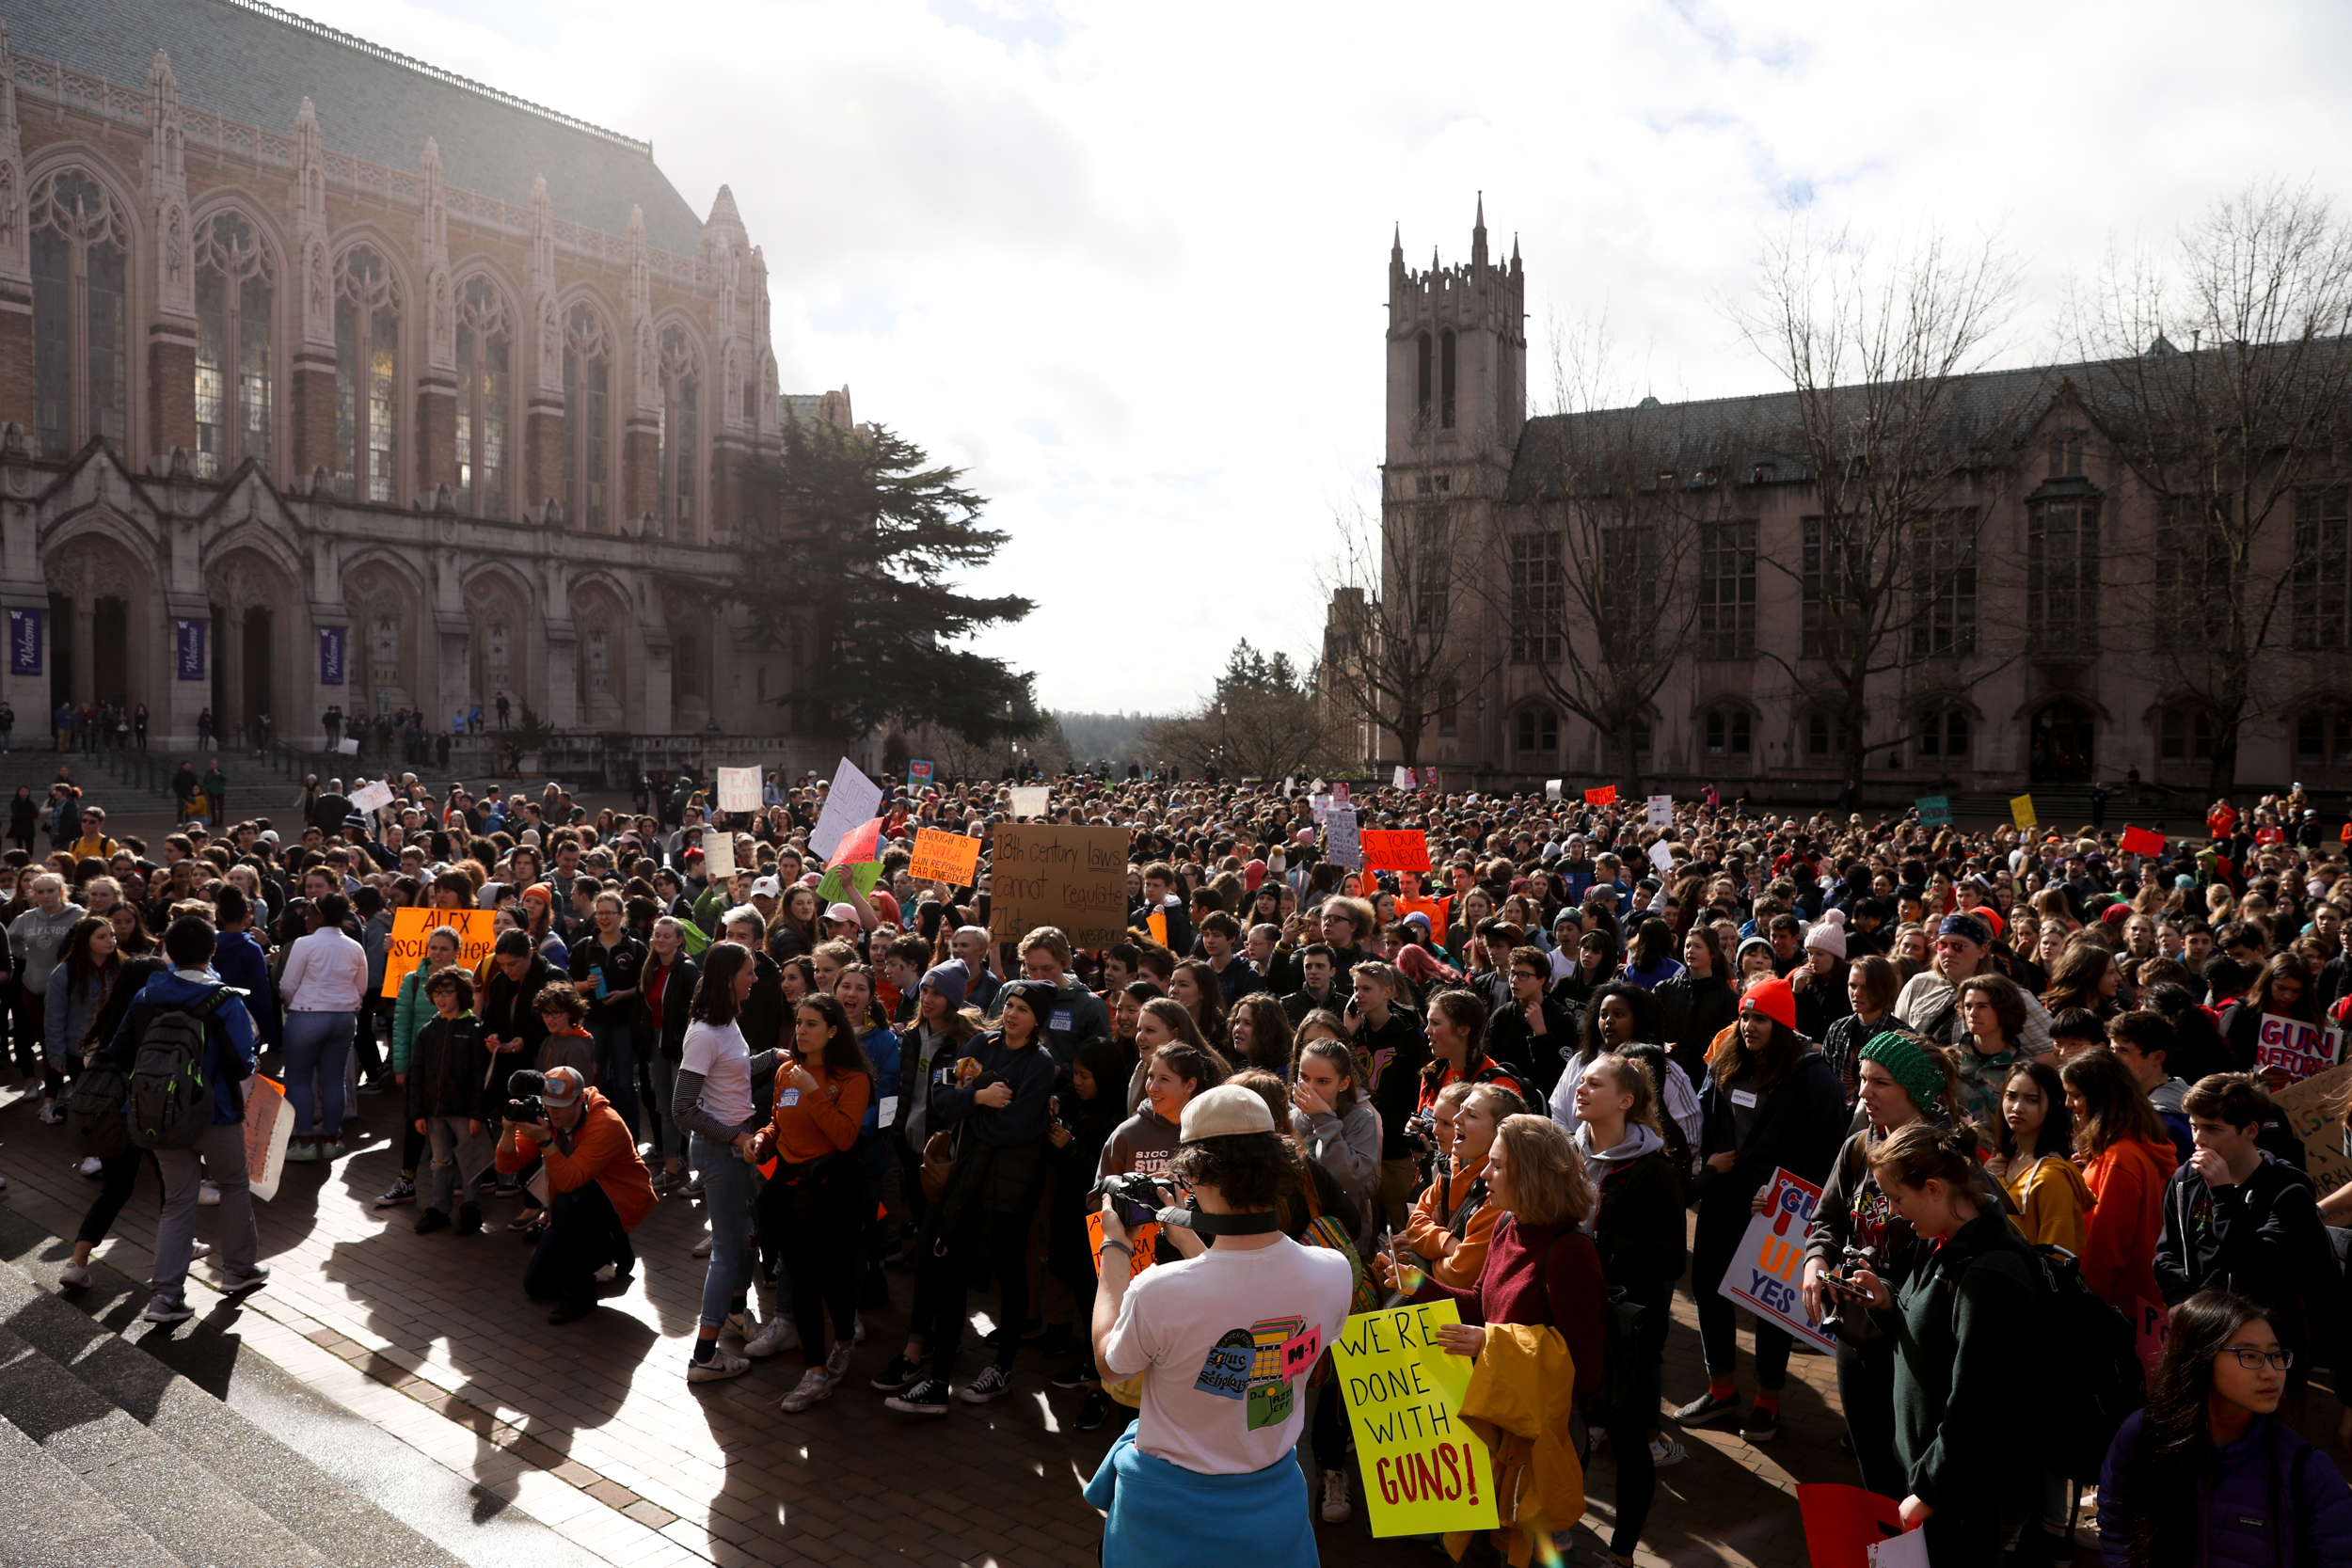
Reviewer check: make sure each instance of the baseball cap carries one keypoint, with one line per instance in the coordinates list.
(841, 912)
(767, 887)
(1223, 1112)
(564, 1088)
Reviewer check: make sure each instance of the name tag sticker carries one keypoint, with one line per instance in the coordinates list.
(889, 1113)
(788, 1098)
(1060, 1020)
(1744, 1098)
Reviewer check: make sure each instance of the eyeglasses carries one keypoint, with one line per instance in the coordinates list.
(2254, 1360)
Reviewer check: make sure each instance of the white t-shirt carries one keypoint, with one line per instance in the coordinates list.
(718, 1052)
(1225, 1341)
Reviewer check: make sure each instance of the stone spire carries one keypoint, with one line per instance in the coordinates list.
(167, 192)
(1478, 234)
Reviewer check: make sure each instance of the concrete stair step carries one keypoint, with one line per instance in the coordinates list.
(57, 1521)
(188, 1511)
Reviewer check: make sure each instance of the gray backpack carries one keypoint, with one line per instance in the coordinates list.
(172, 1086)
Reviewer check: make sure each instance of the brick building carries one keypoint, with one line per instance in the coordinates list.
(327, 378)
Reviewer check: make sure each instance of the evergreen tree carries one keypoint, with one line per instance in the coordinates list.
(858, 583)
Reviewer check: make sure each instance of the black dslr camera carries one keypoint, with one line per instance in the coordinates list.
(1138, 1197)
(523, 1089)
(1843, 1309)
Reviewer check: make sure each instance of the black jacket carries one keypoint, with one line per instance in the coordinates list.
(677, 996)
(450, 1074)
(2263, 1238)
(506, 1008)
(1640, 1231)
(1693, 1010)
(1299, 1003)
(1510, 1042)
(1800, 1124)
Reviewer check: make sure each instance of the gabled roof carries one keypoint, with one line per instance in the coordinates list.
(250, 62)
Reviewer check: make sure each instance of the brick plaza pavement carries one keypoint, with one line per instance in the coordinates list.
(593, 1429)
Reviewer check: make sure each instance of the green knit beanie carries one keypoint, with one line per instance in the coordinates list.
(1911, 1067)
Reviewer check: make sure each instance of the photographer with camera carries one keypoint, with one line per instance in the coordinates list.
(1209, 1468)
(598, 1187)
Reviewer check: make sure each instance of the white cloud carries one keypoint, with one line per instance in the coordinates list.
(1128, 262)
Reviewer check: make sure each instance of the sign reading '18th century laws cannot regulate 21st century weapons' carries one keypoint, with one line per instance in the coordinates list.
(1071, 878)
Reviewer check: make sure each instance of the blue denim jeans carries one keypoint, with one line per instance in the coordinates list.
(729, 1185)
(318, 1046)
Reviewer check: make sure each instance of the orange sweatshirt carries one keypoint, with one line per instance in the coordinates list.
(816, 1122)
(1425, 1230)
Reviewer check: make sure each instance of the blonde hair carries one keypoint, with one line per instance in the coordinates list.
(1548, 1184)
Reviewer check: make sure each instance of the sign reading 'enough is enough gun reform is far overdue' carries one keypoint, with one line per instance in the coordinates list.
(1071, 878)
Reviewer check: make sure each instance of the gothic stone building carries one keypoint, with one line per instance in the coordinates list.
(328, 378)
(2035, 660)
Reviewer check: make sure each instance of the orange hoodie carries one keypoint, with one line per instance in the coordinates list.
(2119, 1259)
(602, 1152)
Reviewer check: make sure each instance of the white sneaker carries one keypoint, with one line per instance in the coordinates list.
(92, 1166)
(208, 1195)
(74, 1276)
(813, 1385)
(777, 1335)
(857, 1328)
(723, 1363)
(702, 1248)
(51, 1114)
(199, 1250)
(837, 1362)
(1336, 1507)
(740, 1325)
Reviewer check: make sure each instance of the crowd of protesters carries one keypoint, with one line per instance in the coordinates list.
(1550, 1079)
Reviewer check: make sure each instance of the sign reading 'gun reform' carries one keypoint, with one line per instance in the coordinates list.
(1070, 878)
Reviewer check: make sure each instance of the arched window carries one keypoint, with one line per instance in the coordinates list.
(1445, 379)
(1449, 708)
(679, 394)
(484, 379)
(81, 323)
(234, 292)
(1539, 731)
(1824, 737)
(367, 377)
(2323, 737)
(587, 401)
(1729, 731)
(1422, 371)
(1943, 733)
(2185, 734)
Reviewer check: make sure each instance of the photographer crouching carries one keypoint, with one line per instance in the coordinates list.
(1224, 1342)
(598, 1187)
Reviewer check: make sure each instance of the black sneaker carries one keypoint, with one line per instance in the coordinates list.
(1057, 1342)
(1079, 1376)
(432, 1219)
(926, 1398)
(991, 1382)
(1707, 1409)
(1761, 1424)
(897, 1374)
(1094, 1410)
(470, 1219)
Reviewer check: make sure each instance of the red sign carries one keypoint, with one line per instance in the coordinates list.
(1843, 1522)
(2142, 841)
(1405, 850)
(1605, 796)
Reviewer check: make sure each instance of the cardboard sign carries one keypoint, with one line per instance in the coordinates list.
(718, 856)
(1343, 845)
(941, 857)
(372, 797)
(1143, 1236)
(1935, 811)
(2141, 841)
(1425, 1472)
(1662, 811)
(268, 1128)
(2021, 812)
(2297, 1049)
(1765, 1272)
(1842, 1523)
(834, 887)
(405, 948)
(2315, 1113)
(738, 789)
(1605, 796)
(1404, 850)
(852, 800)
(1075, 878)
(1032, 800)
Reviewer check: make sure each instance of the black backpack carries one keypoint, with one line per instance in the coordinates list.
(93, 1109)
(171, 1089)
(2102, 1376)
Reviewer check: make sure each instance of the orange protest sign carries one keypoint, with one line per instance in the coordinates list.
(1401, 850)
(1605, 796)
(405, 948)
(942, 857)
(1142, 1236)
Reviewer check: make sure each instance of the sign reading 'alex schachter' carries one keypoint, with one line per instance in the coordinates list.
(1071, 878)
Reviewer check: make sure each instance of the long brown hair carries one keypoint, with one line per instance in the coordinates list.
(2115, 1107)
(714, 993)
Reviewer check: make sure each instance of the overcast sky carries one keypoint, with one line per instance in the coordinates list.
(1127, 263)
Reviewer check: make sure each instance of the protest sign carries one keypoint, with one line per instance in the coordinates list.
(2297, 1049)
(918, 775)
(1842, 1523)
(2141, 841)
(349, 747)
(1765, 1271)
(1404, 850)
(851, 801)
(1662, 811)
(1935, 811)
(372, 797)
(941, 857)
(1404, 779)
(1342, 840)
(1662, 856)
(2151, 1323)
(2315, 1113)
(1030, 800)
(405, 948)
(1143, 1236)
(718, 855)
(1605, 796)
(268, 1128)
(1075, 878)
(1338, 792)
(834, 886)
(1425, 1472)
(1551, 789)
(861, 843)
(2021, 811)
(1907, 1550)
(738, 789)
